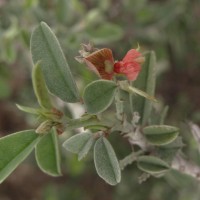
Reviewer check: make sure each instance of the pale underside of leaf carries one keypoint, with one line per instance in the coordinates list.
(80, 144)
(152, 165)
(85, 149)
(35, 111)
(106, 162)
(39, 87)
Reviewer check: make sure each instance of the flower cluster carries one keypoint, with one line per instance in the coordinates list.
(102, 63)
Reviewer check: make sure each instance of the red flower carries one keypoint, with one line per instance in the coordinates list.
(102, 62)
(130, 65)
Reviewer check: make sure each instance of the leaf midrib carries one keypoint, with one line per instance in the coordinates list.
(110, 163)
(149, 87)
(16, 158)
(56, 150)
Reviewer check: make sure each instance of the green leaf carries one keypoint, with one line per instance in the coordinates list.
(175, 144)
(99, 95)
(152, 165)
(106, 162)
(163, 115)
(145, 82)
(46, 49)
(166, 154)
(14, 149)
(160, 134)
(122, 102)
(80, 144)
(30, 110)
(169, 151)
(48, 155)
(40, 88)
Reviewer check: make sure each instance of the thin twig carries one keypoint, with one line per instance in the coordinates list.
(129, 159)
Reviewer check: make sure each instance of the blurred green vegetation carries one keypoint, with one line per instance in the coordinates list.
(170, 27)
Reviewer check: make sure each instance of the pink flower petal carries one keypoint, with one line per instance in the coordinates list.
(130, 65)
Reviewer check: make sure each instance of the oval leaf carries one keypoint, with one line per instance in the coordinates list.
(46, 49)
(39, 87)
(80, 144)
(160, 134)
(106, 162)
(98, 95)
(48, 155)
(152, 165)
(14, 149)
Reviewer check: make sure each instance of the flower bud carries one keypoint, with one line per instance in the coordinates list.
(44, 127)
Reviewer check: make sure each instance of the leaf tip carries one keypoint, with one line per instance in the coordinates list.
(42, 23)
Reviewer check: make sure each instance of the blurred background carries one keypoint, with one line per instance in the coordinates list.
(169, 27)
